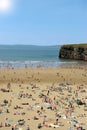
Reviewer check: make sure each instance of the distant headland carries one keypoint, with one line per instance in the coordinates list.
(74, 51)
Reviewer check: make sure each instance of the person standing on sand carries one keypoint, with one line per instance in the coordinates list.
(13, 128)
(57, 118)
(1, 125)
(28, 128)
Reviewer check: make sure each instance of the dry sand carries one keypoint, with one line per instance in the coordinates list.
(43, 96)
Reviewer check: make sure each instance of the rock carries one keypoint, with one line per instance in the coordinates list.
(76, 52)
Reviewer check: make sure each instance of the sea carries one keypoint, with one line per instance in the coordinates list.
(32, 56)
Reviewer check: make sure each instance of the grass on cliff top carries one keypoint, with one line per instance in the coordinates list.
(76, 45)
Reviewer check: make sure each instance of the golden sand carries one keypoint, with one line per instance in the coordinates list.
(42, 96)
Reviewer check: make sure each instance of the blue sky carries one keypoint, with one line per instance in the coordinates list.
(44, 22)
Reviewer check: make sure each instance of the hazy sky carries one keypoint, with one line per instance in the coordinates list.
(43, 22)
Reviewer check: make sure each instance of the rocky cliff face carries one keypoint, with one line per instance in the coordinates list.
(77, 52)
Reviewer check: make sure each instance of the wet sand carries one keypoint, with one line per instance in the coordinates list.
(43, 98)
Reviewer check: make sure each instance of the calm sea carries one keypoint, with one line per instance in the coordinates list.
(21, 56)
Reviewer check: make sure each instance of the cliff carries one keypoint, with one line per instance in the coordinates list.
(74, 51)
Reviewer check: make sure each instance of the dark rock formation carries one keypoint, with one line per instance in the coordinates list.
(76, 52)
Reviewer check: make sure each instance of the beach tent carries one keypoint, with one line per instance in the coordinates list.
(79, 102)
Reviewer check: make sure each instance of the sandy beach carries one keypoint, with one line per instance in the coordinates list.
(32, 99)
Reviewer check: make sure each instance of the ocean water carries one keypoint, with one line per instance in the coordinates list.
(28, 56)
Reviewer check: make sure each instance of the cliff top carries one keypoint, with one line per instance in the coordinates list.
(76, 45)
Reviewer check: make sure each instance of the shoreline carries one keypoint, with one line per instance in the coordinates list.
(41, 64)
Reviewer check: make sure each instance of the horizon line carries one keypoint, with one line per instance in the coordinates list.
(26, 45)
(38, 44)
